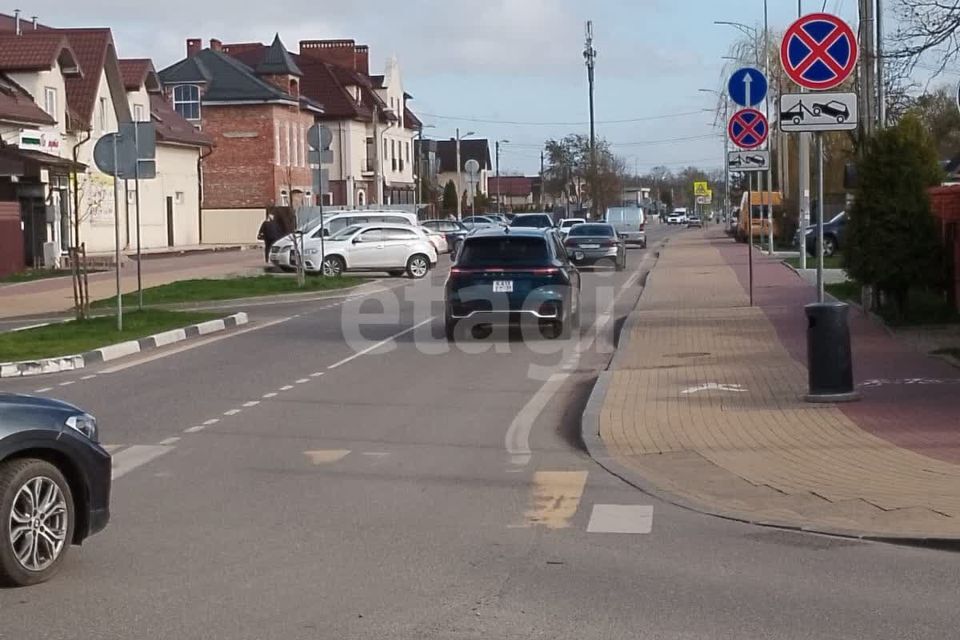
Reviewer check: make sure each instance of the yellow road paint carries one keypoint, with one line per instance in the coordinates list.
(328, 456)
(556, 497)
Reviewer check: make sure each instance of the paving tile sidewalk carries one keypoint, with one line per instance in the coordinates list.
(55, 295)
(705, 402)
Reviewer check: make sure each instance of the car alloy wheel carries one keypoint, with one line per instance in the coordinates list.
(332, 266)
(418, 266)
(829, 247)
(37, 511)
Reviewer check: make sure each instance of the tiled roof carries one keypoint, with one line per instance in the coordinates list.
(474, 148)
(92, 47)
(277, 61)
(16, 105)
(33, 51)
(135, 72)
(511, 186)
(225, 78)
(8, 23)
(171, 127)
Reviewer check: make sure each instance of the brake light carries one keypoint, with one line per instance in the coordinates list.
(542, 271)
(608, 243)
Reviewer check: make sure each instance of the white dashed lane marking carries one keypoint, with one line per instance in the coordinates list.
(621, 518)
(270, 395)
(303, 380)
(286, 387)
(232, 412)
(211, 421)
(252, 403)
(169, 441)
(196, 429)
(44, 390)
(68, 383)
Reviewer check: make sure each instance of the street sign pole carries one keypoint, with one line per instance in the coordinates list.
(116, 236)
(136, 181)
(750, 232)
(820, 209)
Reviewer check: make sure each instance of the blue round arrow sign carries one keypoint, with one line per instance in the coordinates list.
(747, 87)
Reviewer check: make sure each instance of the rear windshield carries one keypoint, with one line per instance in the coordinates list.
(629, 215)
(592, 230)
(505, 250)
(537, 222)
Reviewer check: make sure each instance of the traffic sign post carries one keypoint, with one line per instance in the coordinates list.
(747, 87)
(815, 112)
(748, 128)
(819, 51)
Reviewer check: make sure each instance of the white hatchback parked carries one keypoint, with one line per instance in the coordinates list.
(394, 248)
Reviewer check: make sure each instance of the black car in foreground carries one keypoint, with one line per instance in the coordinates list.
(54, 485)
(512, 276)
(592, 243)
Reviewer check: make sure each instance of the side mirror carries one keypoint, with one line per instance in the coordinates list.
(326, 232)
(357, 240)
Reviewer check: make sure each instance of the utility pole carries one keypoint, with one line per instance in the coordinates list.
(378, 157)
(459, 185)
(868, 27)
(881, 88)
(499, 208)
(590, 56)
(543, 185)
(766, 72)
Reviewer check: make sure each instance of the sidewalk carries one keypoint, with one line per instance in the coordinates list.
(703, 402)
(55, 295)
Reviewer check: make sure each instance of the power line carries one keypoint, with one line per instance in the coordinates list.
(641, 143)
(665, 116)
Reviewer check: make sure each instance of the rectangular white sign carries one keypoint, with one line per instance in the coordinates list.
(812, 112)
(745, 161)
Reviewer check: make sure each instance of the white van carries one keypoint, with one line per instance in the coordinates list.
(280, 252)
(629, 223)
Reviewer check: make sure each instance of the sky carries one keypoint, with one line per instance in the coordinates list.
(503, 69)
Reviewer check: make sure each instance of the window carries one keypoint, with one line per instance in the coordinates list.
(408, 152)
(50, 102)
(138, 113)
(186, 101)
(284, 199)
(361, 198)
(393, 154)
(372, 235)
(291, 145)
(178, 197)
(400, 235)
(368, 160)
(276, 141)
(102, 115)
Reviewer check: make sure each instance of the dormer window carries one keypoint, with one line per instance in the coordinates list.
(186, 101)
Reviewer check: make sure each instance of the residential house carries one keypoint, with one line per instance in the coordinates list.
(75, 75)
(258, 118)
(471, 149)
(372, 126)
(514, 192)
(175, 192)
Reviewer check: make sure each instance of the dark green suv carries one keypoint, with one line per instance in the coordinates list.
(510, 276)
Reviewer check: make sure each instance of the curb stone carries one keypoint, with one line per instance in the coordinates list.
(599, 453)
(119, 350)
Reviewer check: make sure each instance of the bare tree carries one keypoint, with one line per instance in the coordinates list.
(926, 26)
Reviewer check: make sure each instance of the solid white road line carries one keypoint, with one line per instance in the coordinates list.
(517, 440)
(135, 456)
(193, 345)
(621, 518)
(380, 344)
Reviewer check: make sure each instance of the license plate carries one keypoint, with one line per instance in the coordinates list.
(589, 246)
(503, 286)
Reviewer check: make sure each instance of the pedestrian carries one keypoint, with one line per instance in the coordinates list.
(269, 233)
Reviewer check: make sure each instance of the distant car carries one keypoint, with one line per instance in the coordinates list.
(472, 222)
(438, 240)
(533, 220)
(833, 234)
(396, 249)
(512, 276)
(567, 223)
(593, 242)
(454, 230)
(677, 216)
(630, 224)
(54, 485)
(694, 221)
(834, 109)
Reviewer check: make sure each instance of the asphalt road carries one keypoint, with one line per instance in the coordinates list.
(337, 470)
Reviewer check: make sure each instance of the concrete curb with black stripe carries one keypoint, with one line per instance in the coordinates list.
(119, 350)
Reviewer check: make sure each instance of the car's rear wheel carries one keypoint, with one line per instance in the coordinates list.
(36, 521)
(829, 246)
(418, 266)
(333, 266)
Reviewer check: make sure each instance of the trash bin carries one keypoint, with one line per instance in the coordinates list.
(829, 359)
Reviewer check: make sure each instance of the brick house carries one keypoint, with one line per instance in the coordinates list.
(258, 119)
(373, 127)
(514, 191)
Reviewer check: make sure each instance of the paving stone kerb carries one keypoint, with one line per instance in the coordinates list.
(703, 402)
(119, 350)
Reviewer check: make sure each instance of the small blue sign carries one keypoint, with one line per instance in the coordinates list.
(747, 87)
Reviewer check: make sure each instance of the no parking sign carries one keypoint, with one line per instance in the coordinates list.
(819, 51)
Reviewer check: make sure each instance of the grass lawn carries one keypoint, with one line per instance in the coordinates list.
(75, 336)
(833, 262)
(925, 307)
(228, 289)
(30, 275)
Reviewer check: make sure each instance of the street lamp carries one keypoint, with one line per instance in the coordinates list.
(747, 30)
(499, 142)
(420, 161)
(459, 179)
